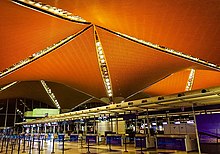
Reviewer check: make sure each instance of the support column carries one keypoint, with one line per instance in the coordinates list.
(23, 107)
(80, 126)
(38, 129)
(45, 128)
(168, 118)
(77, 127)
(85, 129)
(197, 134)
(136, 119)
(32, 129)
(156, 124)
(97, 127)
(68, 127)
(6, 114)
(145, 126)
(148, 124)
(23, 131)
(116, 123)
(54, 128)
(15, 113)
(111, 125)
(58, 128)
(94, 126)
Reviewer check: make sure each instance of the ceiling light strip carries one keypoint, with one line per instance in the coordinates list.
(166, 50)
(50, 94)
(7, 86)
(39, 54)
(189, 84)
(173, 52)
(39, 6)
(103, 65)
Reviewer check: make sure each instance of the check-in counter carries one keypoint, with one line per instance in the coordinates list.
(42, 136)
(50, 136)
(144, 141)
(74, 137)
(182, 142)
(114, 139)
(36, 136)
(92, 138)
(61, 136)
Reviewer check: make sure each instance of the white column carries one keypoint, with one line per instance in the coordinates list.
(145, 126)
(6, 115)
(197, 134)
(116, 125)
(38, 129)
(94, 125)
(85, 129)
(148, 124)
(77, 127)
(68, 127)
(32, 129)
(54, 128)
(45, 129)
(58, 128)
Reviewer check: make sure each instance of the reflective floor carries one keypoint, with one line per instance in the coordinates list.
(77, 148)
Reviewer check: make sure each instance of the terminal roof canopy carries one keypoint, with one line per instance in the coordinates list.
(73, 70)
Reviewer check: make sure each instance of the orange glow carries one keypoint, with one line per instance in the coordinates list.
(25, 31)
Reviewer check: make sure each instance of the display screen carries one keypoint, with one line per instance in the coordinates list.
(208, 126)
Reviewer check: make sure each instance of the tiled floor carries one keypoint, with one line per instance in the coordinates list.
(75, 148)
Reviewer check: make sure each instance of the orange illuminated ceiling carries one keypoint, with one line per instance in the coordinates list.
(191, 27)
(25, 31)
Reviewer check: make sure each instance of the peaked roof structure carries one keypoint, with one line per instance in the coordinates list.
(107, 51)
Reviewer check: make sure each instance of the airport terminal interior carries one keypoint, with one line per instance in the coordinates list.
(110, 77)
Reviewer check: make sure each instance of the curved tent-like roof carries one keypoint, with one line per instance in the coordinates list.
(70, 60)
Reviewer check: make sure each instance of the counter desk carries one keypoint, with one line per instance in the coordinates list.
(61, 137)
(144, 141)
(114, 139)
(181, 142)
(92, 138)
(74, 137)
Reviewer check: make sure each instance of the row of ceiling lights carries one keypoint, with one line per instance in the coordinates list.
(7, 86)
(101, 56)
(171, 51)
(53, 10)
(103, 66)
(19, 112)
(69, 15)
(34, 57)
(190, 80)
(50, 94)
